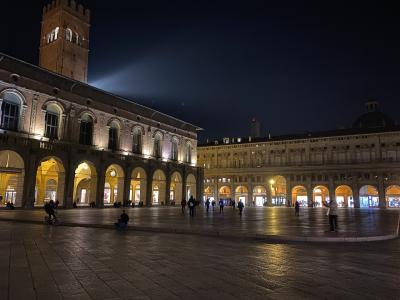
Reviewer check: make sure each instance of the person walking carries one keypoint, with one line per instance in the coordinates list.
(207, 204)
(213, 203)
(192, 205)
(233, 204)
(332, 215)
(240, 206)
(221, 206)
(183, 205)
(297, 208)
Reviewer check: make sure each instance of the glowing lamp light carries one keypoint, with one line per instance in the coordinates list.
(113, 173)
(272, 182)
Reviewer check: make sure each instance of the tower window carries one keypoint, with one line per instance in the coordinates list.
(86, 130)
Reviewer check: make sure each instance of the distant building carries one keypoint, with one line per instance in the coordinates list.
(64, 140)
(358, 166)
(255, 128)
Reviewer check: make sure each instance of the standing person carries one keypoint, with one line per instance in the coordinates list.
(240, 206)
(192, 205)
(213, 203)
(233, 204)
(332, 214)
(183, 205)
(221, 206)
(297, 208)
(207, 204)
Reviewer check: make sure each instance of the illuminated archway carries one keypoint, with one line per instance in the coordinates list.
(12, 173)
(242, 194)
(259, 196)
(85, 184)
(392, 195)
(50, 181)
(320, 196)
(190, 186)
(209, 193)
(344, 196)
(138, 186)
(299, 193)
(278, 190)
(175, 192)
(224, 192)
(114, 185)
(369, 196)
(158, 188)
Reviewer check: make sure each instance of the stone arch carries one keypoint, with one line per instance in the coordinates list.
(88, 112)
(114, 185)
(188, 151)
(299, 193)
(114, 120)
(176, 196)
(85, 183)
(54, 102)
(137, 138)
(16, 92)
(242, 194)
(190, 186)
(50, 170)
(138, 186)
(259, 196)
(209, 193)
(278, 190)
(320, 196)
(158, 187)
(224, 192)
(369, 196)
(12, 174)
(392, 195)
(137, 127)
(114, 133)
(344, 196)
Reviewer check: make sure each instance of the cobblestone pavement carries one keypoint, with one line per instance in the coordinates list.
(266, 221)
(46, 262)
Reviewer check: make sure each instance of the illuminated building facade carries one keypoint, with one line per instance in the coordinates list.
(359, 166)
(63, 140)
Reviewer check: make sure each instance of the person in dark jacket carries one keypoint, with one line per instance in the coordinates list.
(240, 206)
(208, 204)
(297, 208)
(192, 206)
(221, 206)
(183, 205)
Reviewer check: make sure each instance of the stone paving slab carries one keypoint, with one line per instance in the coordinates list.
(46, 262)
(268, 224)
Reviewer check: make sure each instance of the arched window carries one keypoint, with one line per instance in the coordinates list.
(52, 121)
(188, 153)
(113, 136)
(137, 141)
(10, 109)
(68, 35)
(56, 31)
(86, 130)
(157, 146)
(174, 150)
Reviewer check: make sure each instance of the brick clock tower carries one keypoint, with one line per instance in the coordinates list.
(64, 42)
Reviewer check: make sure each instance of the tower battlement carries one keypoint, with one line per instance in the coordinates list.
(69, 5)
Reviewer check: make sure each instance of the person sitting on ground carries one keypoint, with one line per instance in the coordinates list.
(123, 220)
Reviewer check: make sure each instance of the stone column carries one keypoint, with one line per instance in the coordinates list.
(331, 189)
(356, 192)
(184, 175)
(127, 187)
(250, 195)
(101, 180)
(269, 194)
(381, 192)
(168, 188)
(29, 182)
(149, 189)
(200, 185)
(288, 192)
(69, 185)
(310, 199)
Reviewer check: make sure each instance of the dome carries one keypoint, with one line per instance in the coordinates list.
(373, 118)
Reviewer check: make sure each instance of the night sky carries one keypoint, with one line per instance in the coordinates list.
(297, 66)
